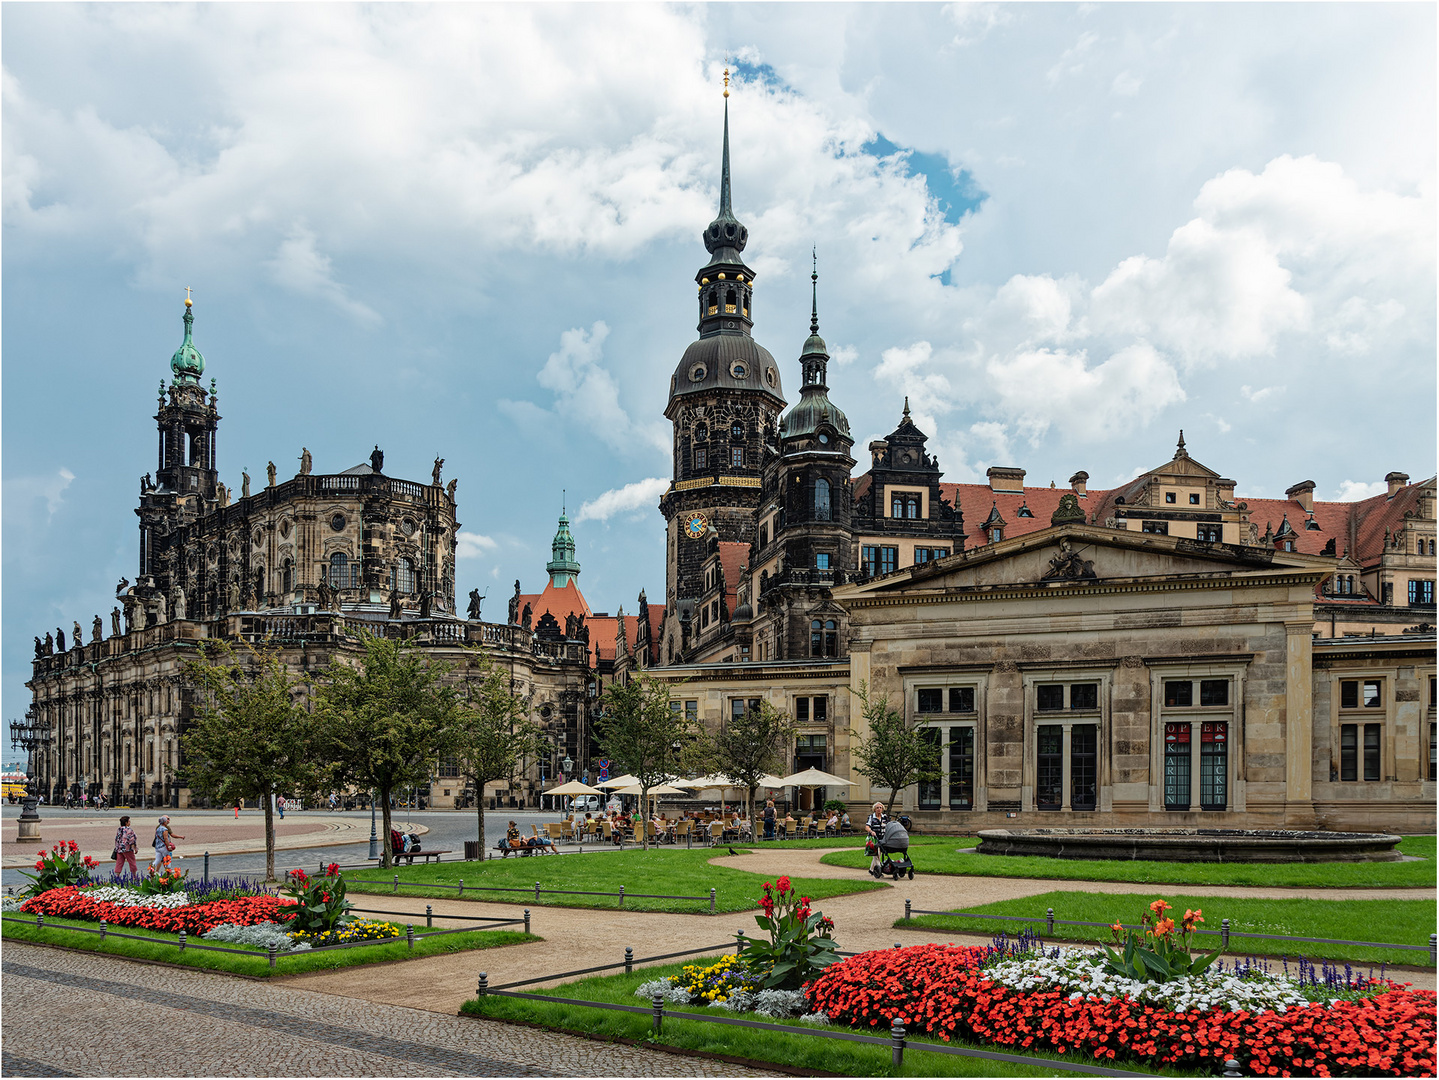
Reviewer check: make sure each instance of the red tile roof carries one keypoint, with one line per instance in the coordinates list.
(975, 501)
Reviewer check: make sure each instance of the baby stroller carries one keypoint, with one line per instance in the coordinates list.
(894, 852)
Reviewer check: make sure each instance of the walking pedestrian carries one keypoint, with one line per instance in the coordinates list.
(280, 802)
(126, 844)
(237, 809)
(164, 841)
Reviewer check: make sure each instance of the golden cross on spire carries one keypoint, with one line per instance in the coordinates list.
(188, 301)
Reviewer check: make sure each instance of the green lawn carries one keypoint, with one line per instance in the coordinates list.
(1402, 922)
(963, 862)
(834, 1056)
(164, 948)
(672, 871)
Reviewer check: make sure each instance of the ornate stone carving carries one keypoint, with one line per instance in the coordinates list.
(1132, 661)
(1068, 566)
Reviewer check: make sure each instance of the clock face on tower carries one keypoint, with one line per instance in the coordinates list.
(695, 525)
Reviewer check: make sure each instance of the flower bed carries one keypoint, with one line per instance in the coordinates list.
(73, 903)
(943, 991)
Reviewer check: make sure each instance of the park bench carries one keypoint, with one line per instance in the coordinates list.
(411, 856)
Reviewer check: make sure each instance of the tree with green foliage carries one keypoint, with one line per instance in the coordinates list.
(750, 745)
(643, 735)
(250, 737)
(389, 716)
(495, 733)
(891, 754)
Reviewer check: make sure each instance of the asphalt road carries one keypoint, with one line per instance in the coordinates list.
(449, 829)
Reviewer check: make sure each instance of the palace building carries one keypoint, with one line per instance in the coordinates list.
(1165, 652)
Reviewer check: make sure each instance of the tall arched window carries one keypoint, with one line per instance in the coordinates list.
(823, 638)
(729, 302)
(821, 499)
(405, 576)
(339, 570)
(287, 576)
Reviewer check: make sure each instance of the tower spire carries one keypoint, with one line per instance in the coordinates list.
(814, 292)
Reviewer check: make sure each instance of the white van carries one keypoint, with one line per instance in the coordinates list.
(584, 804)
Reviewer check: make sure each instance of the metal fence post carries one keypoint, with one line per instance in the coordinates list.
(102, 929)
(896, 1042)
(659, 1004)
(1224, 933)
(39, 920)
(429, 915)
(739, 942)
(629, 960)
(273, 949)
(207, 866)
(1433, 947)
(182, 941)
(622, 896)
(527, 920)
(410, 934)
(537, 892)
(712, 911)
(462, 886)
(396, 889)
(484, 987)
(906, 910)
(1231, 1068)
(1049, 920)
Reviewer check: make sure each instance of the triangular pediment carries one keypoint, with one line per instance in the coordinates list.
(1080, 554)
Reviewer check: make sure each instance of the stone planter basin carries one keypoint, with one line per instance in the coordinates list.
(1193, 845)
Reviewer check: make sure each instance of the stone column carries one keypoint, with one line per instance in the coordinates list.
(1299, 723)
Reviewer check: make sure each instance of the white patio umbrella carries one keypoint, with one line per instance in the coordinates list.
(814, 778)
(619, 781)
(574, 787)
(658, 789)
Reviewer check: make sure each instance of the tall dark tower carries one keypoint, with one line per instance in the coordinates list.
(806, 536)
(725, 398)
(185, 482)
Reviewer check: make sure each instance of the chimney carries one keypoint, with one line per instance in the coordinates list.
(1078, 482)
(1396, 482)
(1008, 479)
(1303, 494)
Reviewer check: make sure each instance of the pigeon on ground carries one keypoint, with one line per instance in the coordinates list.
(732, 851)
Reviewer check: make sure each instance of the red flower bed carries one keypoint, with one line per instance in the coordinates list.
(939, 990)
(71, 903)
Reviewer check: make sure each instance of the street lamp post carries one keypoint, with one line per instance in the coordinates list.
(31, 735)
(374, 836)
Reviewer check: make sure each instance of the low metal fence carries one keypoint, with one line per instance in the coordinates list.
(537, 891)
(898, 1040)
(1224, 933)
(182, 943)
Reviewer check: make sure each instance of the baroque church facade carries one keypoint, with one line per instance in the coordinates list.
(1165, 652)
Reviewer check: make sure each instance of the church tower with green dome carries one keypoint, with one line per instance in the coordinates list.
(724, 401)
(562, 567)
(185, 485)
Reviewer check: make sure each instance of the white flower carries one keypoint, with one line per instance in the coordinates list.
(123, 896)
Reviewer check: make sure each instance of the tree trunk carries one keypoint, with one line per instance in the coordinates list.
(269, 838)
(480, 802)
(386, 850)
(644, 819)
(889, 810)
(749, 812)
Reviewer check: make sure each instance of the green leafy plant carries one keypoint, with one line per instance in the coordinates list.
(836, 804)
(162, 879)
(888, 751)
(62, 865)
(319, 903)
(1155, 952)
(799, 945)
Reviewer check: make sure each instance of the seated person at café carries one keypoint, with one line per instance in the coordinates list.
(788, 823)
(832, 823)
(512, 836)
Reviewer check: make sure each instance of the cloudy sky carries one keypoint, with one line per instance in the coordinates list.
(1065, 231)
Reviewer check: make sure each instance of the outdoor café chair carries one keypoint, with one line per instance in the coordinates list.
(716, 833)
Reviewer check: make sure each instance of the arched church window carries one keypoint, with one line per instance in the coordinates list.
(736, 430)
(729, 302)
(405, 576)
(340, 570)
(714, 302)
(821, 499)
(764, 536)
(823, 638)
(287, 576)
(763, 581)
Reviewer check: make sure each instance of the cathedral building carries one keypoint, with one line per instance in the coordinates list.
(1168, 651)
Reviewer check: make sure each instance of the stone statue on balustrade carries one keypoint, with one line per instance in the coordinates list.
(49, 645)
(515, 604)
(97, 630)
(526, 616)
(450, 489)
(115, 630)
(425, 602)
(162, 610)
(305, 461)
(395, 608)
(75, 639)
(270, 472)
(326, 594)
(475, 601)
(59, 640)
(435, 474)
(244, 484)
(177, 602)
(377, 459)
(39, 647)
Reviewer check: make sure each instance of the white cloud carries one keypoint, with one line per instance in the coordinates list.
(1256, 396)
(587, 395)
(298, 265)
(1126, 84)
(843, 355)
(470, 545)
(1071, 61)
(1044, 387)
(639, 497)
(1355, 490)
(23, 493)
(911, 372)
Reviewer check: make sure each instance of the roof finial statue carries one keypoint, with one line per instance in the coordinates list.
(814, 292)
(906, 409)
(1179, 450)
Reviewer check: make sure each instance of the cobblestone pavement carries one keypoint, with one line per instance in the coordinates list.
(98, 1016)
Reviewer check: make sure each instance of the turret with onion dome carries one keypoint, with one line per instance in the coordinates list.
(187, 363)
(815, 420)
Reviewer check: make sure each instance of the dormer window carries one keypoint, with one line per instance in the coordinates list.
(996, 535)
(736, 430)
